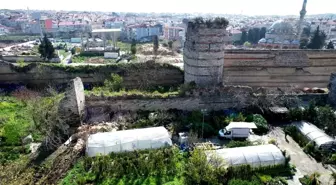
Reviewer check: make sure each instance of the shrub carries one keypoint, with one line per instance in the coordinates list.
(186, 88)
(311, 179)
(272, 141)
(332, 159)
(198, 171)
(261, 123)
(115, 83)
(265, 179)
(170, 44)
(296, 135)
(240, 118)
(312, 150)
(208, 130)
(243, 182)
(235, 144)
(73, 51)
(21, 62)
(296, 114)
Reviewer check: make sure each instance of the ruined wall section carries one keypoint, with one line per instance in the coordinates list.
(203, 55)
(100, 108)
(137, 75)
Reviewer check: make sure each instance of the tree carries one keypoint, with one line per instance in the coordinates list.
(243, 38)
(170, 44)
(306, 31)
(73, 50)
(133, 47)
(250, 36)
(330, 45)
(46, 49)
(155, 44)
(256, 35)
(317, 40)
(303, 43)
(263, 32)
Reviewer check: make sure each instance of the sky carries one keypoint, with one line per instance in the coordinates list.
(247, 7)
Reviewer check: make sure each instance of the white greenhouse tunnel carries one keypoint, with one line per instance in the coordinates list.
(127, 140)
(312, 133)
(256, 156)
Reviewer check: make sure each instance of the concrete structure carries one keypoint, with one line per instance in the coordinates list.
(204, 55)
(72, 106)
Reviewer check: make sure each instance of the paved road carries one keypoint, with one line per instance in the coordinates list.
(305, 164)
(67, 59)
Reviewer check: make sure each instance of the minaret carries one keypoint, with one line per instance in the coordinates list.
(302, 16)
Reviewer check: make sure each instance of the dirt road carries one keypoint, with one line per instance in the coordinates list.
(305, 164)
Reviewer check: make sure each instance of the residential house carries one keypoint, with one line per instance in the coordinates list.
(172, 33)
(5, 30)
(141, 32)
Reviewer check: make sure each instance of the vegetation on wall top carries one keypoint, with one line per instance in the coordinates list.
(93, 68)
(218, 22)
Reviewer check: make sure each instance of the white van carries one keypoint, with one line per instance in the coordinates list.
(237, 130)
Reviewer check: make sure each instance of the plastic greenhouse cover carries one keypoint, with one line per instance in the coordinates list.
(263, 155)
(127, 140)
(313, 133)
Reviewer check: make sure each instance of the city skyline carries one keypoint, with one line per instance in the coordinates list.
(256, 7)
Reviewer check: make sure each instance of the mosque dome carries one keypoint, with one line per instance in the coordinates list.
(270, 41)
(281, 27)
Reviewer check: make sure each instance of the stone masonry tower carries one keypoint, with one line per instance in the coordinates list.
(203, 53)
(303, 13)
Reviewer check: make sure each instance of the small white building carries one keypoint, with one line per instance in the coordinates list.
(127, 140)
(256, 156)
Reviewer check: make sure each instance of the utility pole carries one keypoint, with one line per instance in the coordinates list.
(204, 111)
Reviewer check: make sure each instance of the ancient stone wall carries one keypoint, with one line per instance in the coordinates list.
(139, 75)
(25, 58)
(100, 108)
(279, 68)
(203, 55)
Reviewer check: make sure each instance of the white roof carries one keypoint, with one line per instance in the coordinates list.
(241, 125)
(256, 156)
(313, 133)
(106, 30)
(127, 140)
